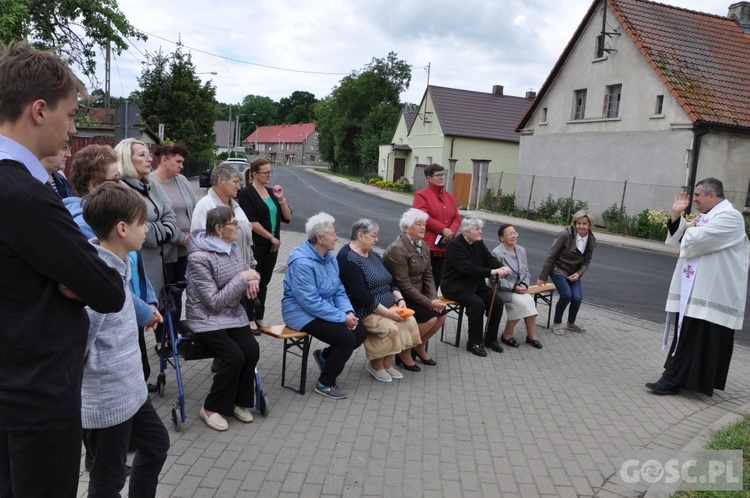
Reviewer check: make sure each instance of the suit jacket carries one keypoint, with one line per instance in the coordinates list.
(509, 283)
(467, 266)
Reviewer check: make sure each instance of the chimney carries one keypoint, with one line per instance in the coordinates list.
(498, 89)
(740, 13)
(530, 95)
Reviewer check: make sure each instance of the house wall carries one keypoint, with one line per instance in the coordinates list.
(650, 151)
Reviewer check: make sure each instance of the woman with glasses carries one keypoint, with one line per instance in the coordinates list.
(266, 208)
(92, 167)
(443, 219)
(408, 260)
(377, 302)
(515, 287)
(218, 279)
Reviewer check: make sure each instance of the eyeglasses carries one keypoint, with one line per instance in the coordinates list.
(116, 179)
(439, 175)
(233, 223)
(511, 235)
(67, 148)
(267, 173)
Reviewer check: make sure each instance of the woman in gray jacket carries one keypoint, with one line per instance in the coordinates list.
(218, 278)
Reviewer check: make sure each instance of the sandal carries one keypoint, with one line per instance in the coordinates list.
(512, 342)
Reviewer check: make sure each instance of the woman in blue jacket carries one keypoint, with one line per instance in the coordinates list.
(315, 302)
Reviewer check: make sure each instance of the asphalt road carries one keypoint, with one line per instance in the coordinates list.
(631, 281)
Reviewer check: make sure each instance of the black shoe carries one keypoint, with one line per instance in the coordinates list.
(534, 343)
(476, 349)
(661, 389)
(495, 346)
(318, 357)
(428, 361)
(411, 368)
(152, 388)
(512, 342)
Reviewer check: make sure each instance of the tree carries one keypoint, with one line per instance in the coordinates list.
(348, 137)
(77, 27)
(171, 94)
(297, 108)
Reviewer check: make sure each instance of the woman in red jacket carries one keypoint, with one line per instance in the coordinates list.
(443, 221)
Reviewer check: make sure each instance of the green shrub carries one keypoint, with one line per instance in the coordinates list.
(548, 208)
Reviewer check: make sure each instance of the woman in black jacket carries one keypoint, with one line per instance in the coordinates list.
(468, 263)
(266, 208)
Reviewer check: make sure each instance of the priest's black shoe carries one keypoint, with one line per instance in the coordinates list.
(662, 389)
(476, 349)
(495, 346)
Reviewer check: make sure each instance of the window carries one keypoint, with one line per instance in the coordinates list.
(429, 160)
(612, 101)
(659, 104)
(579, 104)
(544, 114)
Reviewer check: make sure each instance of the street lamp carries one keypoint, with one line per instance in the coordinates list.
(237, 127)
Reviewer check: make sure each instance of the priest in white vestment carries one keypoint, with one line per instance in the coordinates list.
(706, 301)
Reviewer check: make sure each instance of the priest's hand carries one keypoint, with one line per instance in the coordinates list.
(681, 203)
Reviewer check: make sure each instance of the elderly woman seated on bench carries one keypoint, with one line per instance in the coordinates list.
(218, 278)
(514, 287)
(315, 302)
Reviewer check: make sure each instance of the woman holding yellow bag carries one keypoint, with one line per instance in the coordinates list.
(376, 301)
(408, 260)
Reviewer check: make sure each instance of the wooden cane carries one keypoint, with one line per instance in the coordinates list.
(492, 303)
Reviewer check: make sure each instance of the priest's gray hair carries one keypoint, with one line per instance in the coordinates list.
(410, 217)
(317, 225)
(470, 221)
(714, 185)
(363, 226)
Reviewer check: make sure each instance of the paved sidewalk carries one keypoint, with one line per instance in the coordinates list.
(553, 422)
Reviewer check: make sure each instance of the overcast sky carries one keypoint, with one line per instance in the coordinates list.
(470, 44)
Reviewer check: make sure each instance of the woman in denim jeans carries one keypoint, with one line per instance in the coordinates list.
(566, 262)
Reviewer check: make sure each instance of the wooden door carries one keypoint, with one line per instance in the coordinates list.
(462, 188)
(399, 165)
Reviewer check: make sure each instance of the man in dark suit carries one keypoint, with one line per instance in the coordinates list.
(49, 273)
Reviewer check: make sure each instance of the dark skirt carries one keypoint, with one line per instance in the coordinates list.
(421, 314)
(703, 356)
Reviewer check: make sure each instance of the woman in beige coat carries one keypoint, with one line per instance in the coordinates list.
(408, 260)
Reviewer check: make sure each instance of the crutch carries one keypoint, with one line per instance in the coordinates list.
(496, 278)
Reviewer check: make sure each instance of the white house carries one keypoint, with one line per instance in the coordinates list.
(644, 93)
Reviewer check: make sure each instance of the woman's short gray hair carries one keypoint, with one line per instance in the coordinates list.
(317, 224)
(410, 217)
(363, 226)
(470, 221)
(226, 172)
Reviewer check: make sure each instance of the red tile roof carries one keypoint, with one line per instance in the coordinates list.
(464, 113)
(701, 58)
(295, 133)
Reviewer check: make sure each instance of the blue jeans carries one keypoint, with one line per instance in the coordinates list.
(570, 293)
(147, 433)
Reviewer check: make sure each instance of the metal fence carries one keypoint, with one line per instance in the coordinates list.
(533, 191)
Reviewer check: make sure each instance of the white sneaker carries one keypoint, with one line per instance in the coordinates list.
(576, 327)
(558, 329)
(380, 375)
(395, 374)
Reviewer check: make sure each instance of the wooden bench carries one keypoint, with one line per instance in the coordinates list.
(544, 292)
(296, 343)
(451, 306)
